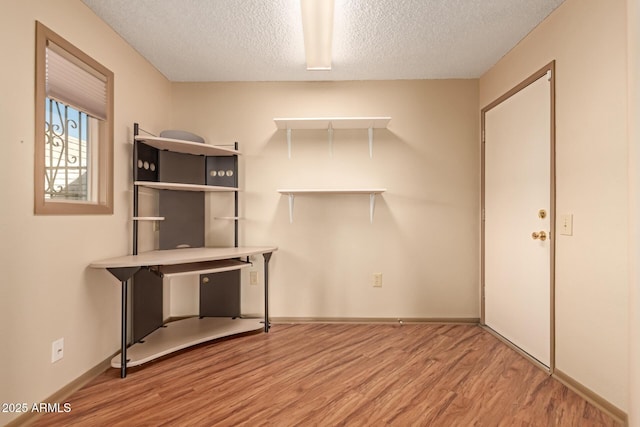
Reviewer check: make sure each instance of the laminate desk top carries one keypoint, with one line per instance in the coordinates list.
(180, 256)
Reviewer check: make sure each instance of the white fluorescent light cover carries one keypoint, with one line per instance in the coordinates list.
(317, 26)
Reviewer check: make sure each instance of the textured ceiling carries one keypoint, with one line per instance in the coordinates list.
(261, 40)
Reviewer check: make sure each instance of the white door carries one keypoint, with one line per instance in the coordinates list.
(517, 226)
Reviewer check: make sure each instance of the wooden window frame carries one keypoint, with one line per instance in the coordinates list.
(103, 203)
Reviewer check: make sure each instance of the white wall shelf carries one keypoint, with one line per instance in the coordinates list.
(148, 218)
(372, 192)
(187, 147)
(331, 123)
(183, 187)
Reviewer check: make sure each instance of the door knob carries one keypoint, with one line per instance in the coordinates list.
(541, 235)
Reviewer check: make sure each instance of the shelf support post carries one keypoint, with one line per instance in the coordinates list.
(135, 188)
(291, 199)
(123, 331)
(289, 141)
(267, 257)
(371, 142)
(235, 197)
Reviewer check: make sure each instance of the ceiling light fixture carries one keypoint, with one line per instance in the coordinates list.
(317, 26)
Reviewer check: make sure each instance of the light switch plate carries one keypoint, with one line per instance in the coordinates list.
(565, 225)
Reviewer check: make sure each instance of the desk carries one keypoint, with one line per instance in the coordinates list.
(184, 333)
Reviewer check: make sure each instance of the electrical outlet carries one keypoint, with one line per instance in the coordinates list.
(377, 280)
(253, 277)
(57, 350)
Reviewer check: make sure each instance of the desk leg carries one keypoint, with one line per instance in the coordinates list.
(267, 257)
(123, 332)
(123, 274)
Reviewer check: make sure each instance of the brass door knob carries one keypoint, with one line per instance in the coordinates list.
(541, 235)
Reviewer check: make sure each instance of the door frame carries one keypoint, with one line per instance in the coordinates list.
(550, 67)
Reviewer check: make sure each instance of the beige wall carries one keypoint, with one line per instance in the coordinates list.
(424, 238)
(587, 38)
(425, 234)
(46, 291)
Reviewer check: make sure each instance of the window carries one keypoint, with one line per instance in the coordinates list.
(74, 129)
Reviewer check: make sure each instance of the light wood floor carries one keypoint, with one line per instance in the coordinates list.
(335, 374)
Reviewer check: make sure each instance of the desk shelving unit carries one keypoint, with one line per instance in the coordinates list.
(182, 172)
(149, 268)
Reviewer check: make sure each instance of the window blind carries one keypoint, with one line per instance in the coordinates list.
(75, 83)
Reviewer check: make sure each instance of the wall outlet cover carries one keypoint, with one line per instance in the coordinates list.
(57, 350)
(253, 277)
(377, 280)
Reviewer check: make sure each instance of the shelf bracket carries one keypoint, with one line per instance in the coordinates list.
(291, 199)
(330, 131)
(289, 141)
(372, 206)
(371, 142)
